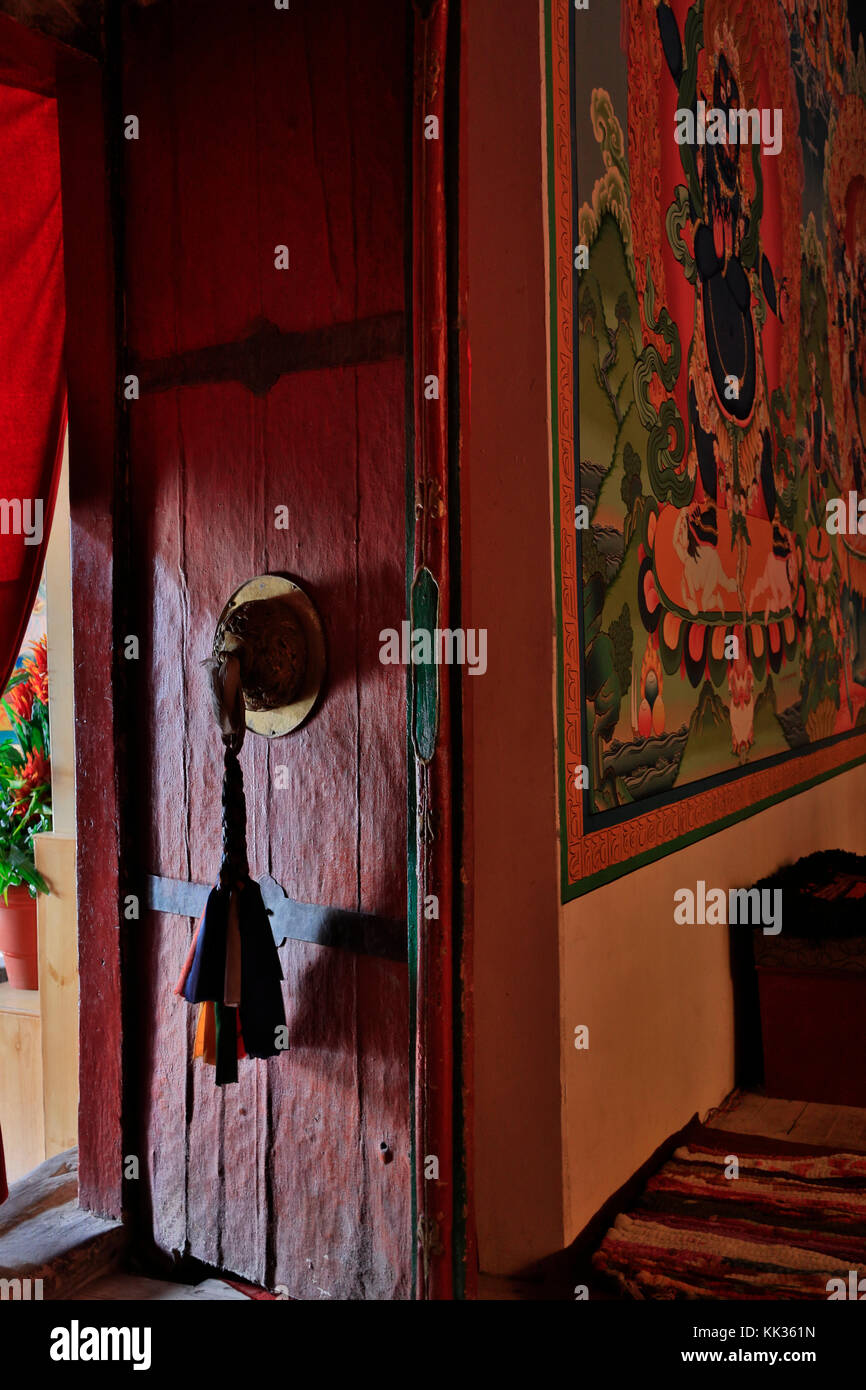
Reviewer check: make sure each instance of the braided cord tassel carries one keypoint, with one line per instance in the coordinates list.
(234, 869)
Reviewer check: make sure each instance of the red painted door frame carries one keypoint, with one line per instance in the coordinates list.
(93, 491)
(445, 1253)
(434, 1131)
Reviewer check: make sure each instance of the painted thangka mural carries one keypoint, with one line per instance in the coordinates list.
(708, 237)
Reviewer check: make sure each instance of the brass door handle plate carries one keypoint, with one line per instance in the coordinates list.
(271, 625)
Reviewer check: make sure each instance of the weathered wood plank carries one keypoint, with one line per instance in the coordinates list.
(159, 507)
(45, 1234)
(317, 1177)
(222, 535)
(381, 604)
(383, 1061)
(848, 1130)
(58, 991)
(815, 1124)
(21, 1084)
(309, 441)
(160, 1023)
(163, 1023)
(383, 990)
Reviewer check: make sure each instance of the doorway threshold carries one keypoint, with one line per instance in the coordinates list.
(45, 1235)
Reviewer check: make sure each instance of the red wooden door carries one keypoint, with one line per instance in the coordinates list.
(260, 389)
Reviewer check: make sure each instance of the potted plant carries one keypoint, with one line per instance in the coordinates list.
(25, 811)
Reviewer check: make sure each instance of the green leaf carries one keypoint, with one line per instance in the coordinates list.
(16, 868)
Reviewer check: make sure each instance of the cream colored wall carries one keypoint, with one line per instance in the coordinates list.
(657, 996)
(55, 853)
(58, 594)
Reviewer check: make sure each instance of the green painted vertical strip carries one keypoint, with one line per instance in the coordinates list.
(554, 442)
(424, 680)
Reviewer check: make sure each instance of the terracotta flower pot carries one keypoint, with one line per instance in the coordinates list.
(18, 938)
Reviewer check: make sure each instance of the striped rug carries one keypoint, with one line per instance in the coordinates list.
(792, 1220)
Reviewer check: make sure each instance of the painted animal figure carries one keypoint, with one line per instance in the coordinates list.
(705, 583)
(777, 586)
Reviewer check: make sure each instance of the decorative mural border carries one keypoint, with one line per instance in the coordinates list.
(592, 857)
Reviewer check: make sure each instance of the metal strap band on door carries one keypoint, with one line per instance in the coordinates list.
(360, 932)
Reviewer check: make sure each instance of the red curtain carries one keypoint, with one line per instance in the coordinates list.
(32, 380)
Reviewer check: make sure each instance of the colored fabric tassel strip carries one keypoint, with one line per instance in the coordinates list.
(232, 970)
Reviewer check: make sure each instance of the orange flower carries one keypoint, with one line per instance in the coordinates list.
(20, 700)
(37, 669)
(35, 773)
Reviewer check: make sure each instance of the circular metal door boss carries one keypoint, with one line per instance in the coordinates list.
(271, 625)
